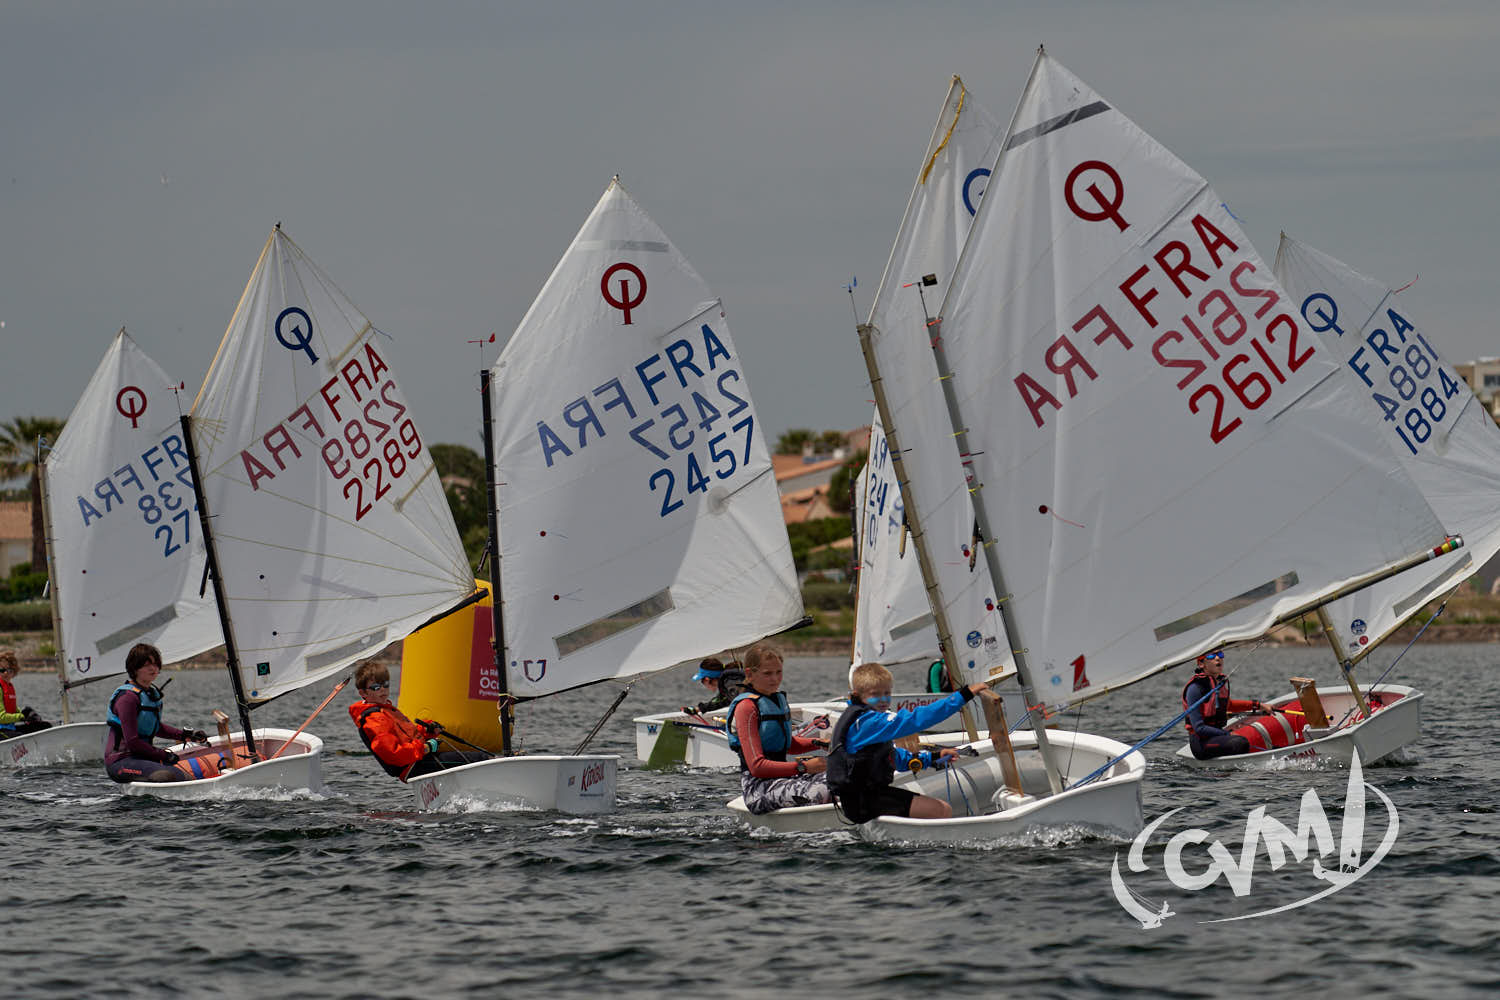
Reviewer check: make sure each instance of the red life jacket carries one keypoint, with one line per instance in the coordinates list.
(8, 691)
(1215, 710)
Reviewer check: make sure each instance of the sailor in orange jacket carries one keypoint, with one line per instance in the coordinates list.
(405, 749)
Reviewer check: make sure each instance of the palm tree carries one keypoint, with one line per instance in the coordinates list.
(18, 452)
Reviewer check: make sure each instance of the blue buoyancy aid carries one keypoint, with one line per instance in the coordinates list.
(147, 720)
(775, 724)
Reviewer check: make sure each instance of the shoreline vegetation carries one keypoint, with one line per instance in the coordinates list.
(831, 636)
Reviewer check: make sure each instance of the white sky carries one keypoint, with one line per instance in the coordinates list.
(436, 159)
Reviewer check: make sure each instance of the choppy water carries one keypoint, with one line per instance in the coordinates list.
(354, 894)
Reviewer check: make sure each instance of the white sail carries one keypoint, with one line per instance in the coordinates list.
(332, 532)
(1165, 454)
(893, 602)
(639, 519)
(127, 556)
(893, 621)
(1430, 418)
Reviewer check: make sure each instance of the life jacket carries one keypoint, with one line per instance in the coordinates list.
(394, 770)
(938, 681)
(147, 719)
(854, 776)
(8, 696)
(1216, 709)
(775, 725)
(731, 686)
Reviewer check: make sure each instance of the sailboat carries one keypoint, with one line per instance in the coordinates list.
(636, 520)
(125, 562)
(1161, 458)
(327, 533)
(1444, 438)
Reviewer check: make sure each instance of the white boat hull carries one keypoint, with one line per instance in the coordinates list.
(297, 770)
(1110, 804)
(78, 743)
(707, 746)
(1389, 729)
(580, 785)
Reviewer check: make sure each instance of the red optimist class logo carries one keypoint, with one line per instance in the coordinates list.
(1311, 841)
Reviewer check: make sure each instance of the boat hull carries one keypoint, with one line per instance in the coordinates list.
(78, 743)
(675, 739)
(581, 785)
(1109, 805)
(296, 770)
(1389, 729)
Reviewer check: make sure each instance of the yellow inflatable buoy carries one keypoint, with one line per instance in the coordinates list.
(448, 675)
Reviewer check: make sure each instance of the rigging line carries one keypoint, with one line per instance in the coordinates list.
(963, 94)
(1441, 608)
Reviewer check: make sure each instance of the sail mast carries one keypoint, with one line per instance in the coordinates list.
(497, 618)
(976, 489)
(913, 518)
(231, 655)
(52, 576)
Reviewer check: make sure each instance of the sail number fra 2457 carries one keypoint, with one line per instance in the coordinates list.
(690, 394)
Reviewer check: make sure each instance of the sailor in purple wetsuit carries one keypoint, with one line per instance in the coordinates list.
(135, 718)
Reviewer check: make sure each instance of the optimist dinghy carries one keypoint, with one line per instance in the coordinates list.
(1307, 726)
(123, 563)
(635, 520)
(327, 532)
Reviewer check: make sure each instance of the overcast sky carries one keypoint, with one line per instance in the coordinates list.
(437, 158)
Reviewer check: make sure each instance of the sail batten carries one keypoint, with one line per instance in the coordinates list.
(639, 525)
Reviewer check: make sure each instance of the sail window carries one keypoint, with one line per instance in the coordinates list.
(133, 631)
(915, 625)
(638, 613)
(1463, 568)
(348, 651)
(1224, 608)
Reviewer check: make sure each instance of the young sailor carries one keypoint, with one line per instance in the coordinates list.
(862, 757)
(1205, 724)
(135, 719)
(406, 749)
(723, 683)
(15, 721)
(760, 731)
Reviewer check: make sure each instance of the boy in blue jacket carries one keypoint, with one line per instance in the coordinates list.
(862, 758)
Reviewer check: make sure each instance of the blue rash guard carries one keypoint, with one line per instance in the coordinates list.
(882, 727)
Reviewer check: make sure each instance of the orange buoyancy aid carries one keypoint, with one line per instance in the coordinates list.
(396, 741)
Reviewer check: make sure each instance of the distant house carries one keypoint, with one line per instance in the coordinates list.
(1483, 376)
(802, 480)
(15, 534)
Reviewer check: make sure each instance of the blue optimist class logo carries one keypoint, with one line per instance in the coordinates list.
(974, 639)
(1282, 844)
(972, 194)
